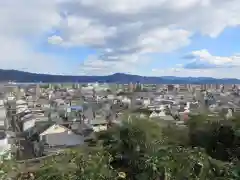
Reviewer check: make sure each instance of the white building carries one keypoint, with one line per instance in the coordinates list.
(58, 135)
(29, 120)
(153, 114)
(2, 116)
(110, 97)
(146, 102)
(126, 100)
(5, 146)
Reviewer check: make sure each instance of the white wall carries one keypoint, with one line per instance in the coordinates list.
(4, 146)
(2, 113)
(3, 142)
(99, 128)
(29, 124)
(64, 138)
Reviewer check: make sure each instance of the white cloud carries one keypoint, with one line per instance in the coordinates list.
(204, 64)
(203, 59)
(122, 31)
(133, 28)
(22, 22)
(128, 64)
(55, 39)
(163, 40)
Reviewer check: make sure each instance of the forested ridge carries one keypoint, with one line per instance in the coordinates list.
(121, 78)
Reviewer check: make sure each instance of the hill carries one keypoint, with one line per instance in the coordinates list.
(20, 76)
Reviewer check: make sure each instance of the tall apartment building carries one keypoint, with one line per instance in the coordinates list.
(217, 86)
(170, 87)
(203, 86)
(183, 87)
(131, 87)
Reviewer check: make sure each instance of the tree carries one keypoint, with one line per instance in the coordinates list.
(218, 137)
(144, 150)
(141, 149)
(75, 164)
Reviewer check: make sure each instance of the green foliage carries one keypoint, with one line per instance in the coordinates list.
(174, 135)
(143, 150)
(7, 166)
(218, 137)
(44, 86)
(78, 164)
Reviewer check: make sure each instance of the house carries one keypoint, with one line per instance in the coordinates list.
(110, 97)
(164, 116)
(221, 107)
(146, 102)
(60, 102)
(21, 102)
(193, 105)
(161, 107)
(154, 114)
(126, 100)
(2, 117)
(11, 97)
(22, 109)
(58, 135)
(229, 114)
(100, 120)
(99, 125)
(142, 116)
(214, 108)
(5, 145)
(21, 106)
(186, 110)
(97, 120)
(2, 102)
(27, 121)
(30, 121)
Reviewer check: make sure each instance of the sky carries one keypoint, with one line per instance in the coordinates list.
(198, 38)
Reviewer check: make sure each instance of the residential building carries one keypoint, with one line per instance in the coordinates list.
(5, 145)
(58, 135)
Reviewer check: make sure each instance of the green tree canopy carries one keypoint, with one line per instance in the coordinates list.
(141, 149)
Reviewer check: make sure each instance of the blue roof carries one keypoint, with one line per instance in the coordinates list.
(76, 107)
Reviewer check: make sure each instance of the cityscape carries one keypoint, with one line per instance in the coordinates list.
(119, 90)
(41, 120)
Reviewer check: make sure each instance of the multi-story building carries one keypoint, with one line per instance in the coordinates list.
(183, 87)
(203, 86)
(217, 86)
(170, 87)
(131, 87)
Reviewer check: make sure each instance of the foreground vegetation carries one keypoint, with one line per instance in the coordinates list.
(143, 150)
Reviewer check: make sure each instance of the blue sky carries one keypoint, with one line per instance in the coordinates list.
(226, 44)
(100, 37)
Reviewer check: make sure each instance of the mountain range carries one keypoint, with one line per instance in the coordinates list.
(26, 77)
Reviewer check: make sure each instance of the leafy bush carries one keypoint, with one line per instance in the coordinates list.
(143, 150)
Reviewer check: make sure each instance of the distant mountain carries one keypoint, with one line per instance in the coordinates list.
(20, 76)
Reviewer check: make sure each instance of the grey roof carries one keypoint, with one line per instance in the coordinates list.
(41, 127)
(43, 101)
(167, 118)
(102, 93)
(88, 113)
(194, 106)
(2, 134)
(98, 121)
